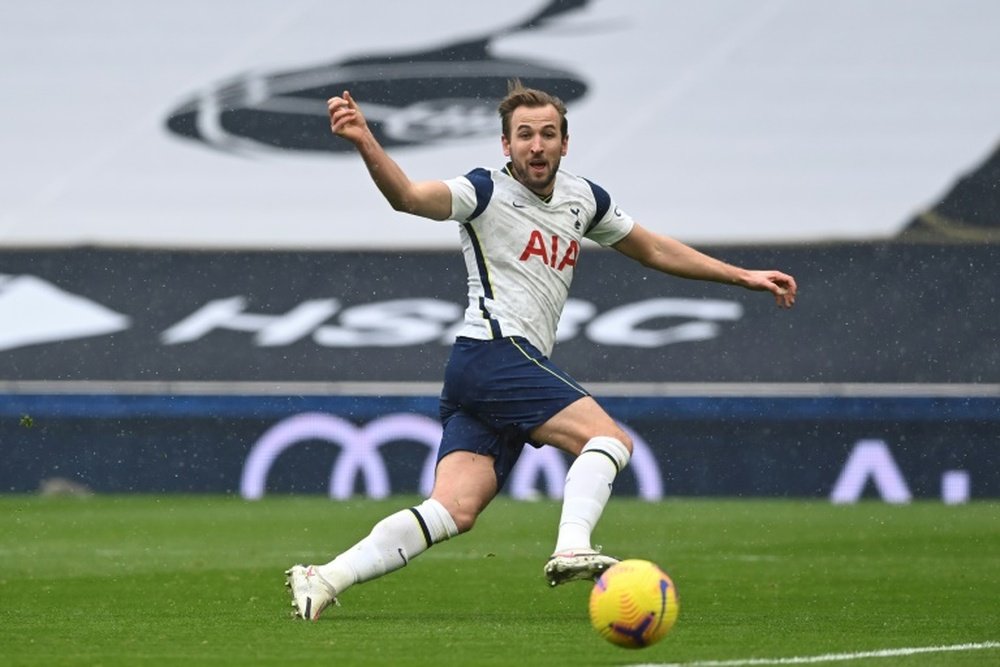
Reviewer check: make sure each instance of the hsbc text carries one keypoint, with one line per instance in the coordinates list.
(418, 321)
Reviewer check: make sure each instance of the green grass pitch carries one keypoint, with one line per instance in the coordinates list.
(179, 580)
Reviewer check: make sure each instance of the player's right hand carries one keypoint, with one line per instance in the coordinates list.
(346, 119)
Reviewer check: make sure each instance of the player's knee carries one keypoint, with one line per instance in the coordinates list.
(619, 435)
(464, 519)
(619, 450)
(462, 513)
(625, 440)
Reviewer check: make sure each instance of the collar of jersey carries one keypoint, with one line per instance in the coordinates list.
(547, 199)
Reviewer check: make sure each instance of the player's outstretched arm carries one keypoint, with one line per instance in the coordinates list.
(428, 199)
(671, 256)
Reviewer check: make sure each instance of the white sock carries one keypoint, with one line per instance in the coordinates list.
(393, 542)
(588, 487)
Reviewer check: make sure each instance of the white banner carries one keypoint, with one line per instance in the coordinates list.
(710, 120)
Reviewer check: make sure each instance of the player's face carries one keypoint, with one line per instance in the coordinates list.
(535, 147)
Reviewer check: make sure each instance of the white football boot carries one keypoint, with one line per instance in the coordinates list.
(577, 566)
(311, 594)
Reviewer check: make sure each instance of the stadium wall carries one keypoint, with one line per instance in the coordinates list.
(152, 369)
(315, 372)
(840, 447)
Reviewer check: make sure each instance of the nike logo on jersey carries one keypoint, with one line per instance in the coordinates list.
(517, 205)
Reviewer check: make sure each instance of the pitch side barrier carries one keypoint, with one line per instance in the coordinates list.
(843, 442)
(138, 370)
(886, 313)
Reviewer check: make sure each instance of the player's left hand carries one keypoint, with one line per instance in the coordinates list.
(781, 285)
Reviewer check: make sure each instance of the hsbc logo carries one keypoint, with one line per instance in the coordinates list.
(35, 311)
(360, 458)
(649, 323)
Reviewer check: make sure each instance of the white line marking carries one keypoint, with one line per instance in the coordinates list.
(708, 389)
(829, 657)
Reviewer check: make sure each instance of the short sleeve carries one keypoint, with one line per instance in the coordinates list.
(613, 225)
(463, 198)
(470, 194)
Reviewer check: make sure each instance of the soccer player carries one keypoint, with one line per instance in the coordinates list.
(521, 228)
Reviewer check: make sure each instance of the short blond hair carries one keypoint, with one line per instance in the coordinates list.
(519, 96)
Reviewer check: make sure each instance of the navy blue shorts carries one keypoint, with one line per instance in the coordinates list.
(495, 393)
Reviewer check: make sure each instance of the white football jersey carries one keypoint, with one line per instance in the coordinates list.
(521, 252)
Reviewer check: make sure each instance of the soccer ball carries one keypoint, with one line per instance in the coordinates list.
(633, 604)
